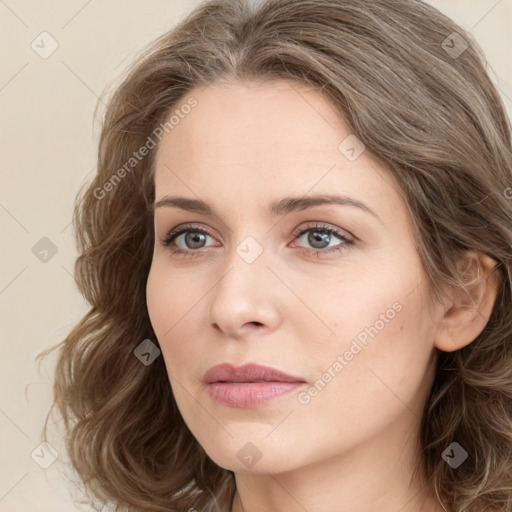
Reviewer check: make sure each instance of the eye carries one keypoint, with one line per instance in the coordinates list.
(320, 238)
(193, 237)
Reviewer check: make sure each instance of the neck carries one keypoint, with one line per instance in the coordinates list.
(376, 475)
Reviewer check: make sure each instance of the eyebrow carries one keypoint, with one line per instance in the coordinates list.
(280, 207)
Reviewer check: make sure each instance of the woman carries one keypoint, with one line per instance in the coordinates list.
(297, 253)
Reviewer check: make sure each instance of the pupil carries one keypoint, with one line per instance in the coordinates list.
(192, 238)
(317, 236)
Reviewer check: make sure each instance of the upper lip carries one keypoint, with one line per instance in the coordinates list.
(250, 372)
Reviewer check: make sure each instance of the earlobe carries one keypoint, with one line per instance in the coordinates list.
(469, 308)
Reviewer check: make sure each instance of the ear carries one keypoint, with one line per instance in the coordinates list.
(468, 310)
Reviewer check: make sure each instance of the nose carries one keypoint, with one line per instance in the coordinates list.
(245, 300)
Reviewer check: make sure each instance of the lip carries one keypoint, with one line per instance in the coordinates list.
(249, 385)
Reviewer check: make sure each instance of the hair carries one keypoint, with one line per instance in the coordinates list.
(439, 122)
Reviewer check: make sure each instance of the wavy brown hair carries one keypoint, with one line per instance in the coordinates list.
(418, 99)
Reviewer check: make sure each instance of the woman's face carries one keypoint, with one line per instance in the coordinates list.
(344, 312)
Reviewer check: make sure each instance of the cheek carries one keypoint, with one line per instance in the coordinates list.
(167, 296)
(365, 300)
(379, 299)
(174, 310)
(380, 360)
(156, 299)
(380, 328)
(163, 304)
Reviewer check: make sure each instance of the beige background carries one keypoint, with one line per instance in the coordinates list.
(48, 141)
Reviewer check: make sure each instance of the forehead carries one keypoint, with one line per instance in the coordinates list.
(244, 120)
(259, 139)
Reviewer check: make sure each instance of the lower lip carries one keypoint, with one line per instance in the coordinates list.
(245, 395)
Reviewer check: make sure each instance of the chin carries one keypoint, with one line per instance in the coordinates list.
(250, 457)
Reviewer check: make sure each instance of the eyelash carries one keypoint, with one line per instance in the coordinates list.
(322, 228)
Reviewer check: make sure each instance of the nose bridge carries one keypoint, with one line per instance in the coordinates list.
(249, 248)
(243, 293)
(245, 268)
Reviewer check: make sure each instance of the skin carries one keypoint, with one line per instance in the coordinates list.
(354, 446)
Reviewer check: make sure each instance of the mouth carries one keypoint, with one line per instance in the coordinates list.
(249, 385)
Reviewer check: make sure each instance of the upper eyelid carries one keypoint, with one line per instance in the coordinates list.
(308, 225)
(188, 227)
